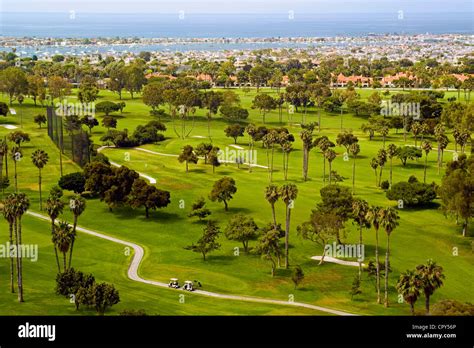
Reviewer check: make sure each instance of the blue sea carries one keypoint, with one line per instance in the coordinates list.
(74, 25)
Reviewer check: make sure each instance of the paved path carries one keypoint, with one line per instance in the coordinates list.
(138, 256)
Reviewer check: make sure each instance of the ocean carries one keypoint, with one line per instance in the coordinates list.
(180, 25)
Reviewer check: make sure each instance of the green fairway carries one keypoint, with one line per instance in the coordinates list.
(422, 233)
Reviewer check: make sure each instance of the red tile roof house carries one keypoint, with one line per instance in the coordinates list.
(158, 74)
(462, 77)
(388, 81)
(342, 81)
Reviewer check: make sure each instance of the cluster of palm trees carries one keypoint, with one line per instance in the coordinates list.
(63, 234)
(288, 194)
(14, 206)
(424, 279)
(386, 218)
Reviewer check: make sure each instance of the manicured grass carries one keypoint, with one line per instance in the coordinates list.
(422, 234)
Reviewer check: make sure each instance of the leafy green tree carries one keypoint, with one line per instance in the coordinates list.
(412, 193)
(18, 137)
(104, 295)
(234, 131)
(269, 247)
(208, 241)
(39, 120)
(107, 107)
(198, 209)
(109, 122)
(405, 153)
(243, 229)
(69, 282)
(13, 82)
(147, 196)
(297, 275)
(265, 103)
(74, 182)
(90, 122)
(223, 190)
(188, 156)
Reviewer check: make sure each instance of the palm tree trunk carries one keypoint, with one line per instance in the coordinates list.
(274, 215)
(330, 172)
(424, 172)
(427, 303)
(74, 239)
(55, 249)
(40, 196)
(360, 244)
(377, 265)
(287, 235)
(18, 265)
(64, 261)
(391, 171)
(16, 181)
(12, 261)
(353, 175)
(387, 256)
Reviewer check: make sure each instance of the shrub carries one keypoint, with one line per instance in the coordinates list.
(73, 182)
(412, 193)
(385, 185)
(107, 107)
(4, 109)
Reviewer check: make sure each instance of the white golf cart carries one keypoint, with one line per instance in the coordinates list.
(188, 285)
(173, 283)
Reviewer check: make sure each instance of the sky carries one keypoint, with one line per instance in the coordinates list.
(236, 6)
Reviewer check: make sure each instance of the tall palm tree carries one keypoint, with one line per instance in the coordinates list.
(324, 144)
(354, 150)
(16, 155)
(9, 215)
(409, 287)
(431, 276)
(426, 147)
(307, 139)
(40, 158)
(330, 155)
(286, 149)
(288, 194)
(3, 155)
(374, 164)
(77, 205)
(21, 203)
(359, 213)
(63, 237)
(272, 195)
(381, 159)
(388, 220)
(391, 152)
(373, 218)
(54, 207)
(416, 129)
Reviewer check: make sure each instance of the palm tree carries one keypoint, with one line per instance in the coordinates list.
(431, 276)
(286, 148)
(324, 144)
(354, 150)
(307, 139)
(426, 147)
(388, 220)
(373, 218)
(16, 155)
(391, 152)
(8, 214)
(384, 132)
(409, 287)
(374, 164)
(77, 205)
(40, 158)
(272, 195)
(330, 155)
(288, 194)
(359, 213)
(63, 237)
(20, 204)
(381, 159)
(3, 155)
(54, 207)
(416, 129)
(442, 139)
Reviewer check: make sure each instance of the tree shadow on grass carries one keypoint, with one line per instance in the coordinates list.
(154, 216)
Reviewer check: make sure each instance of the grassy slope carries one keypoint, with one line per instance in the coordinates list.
(422, 234)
